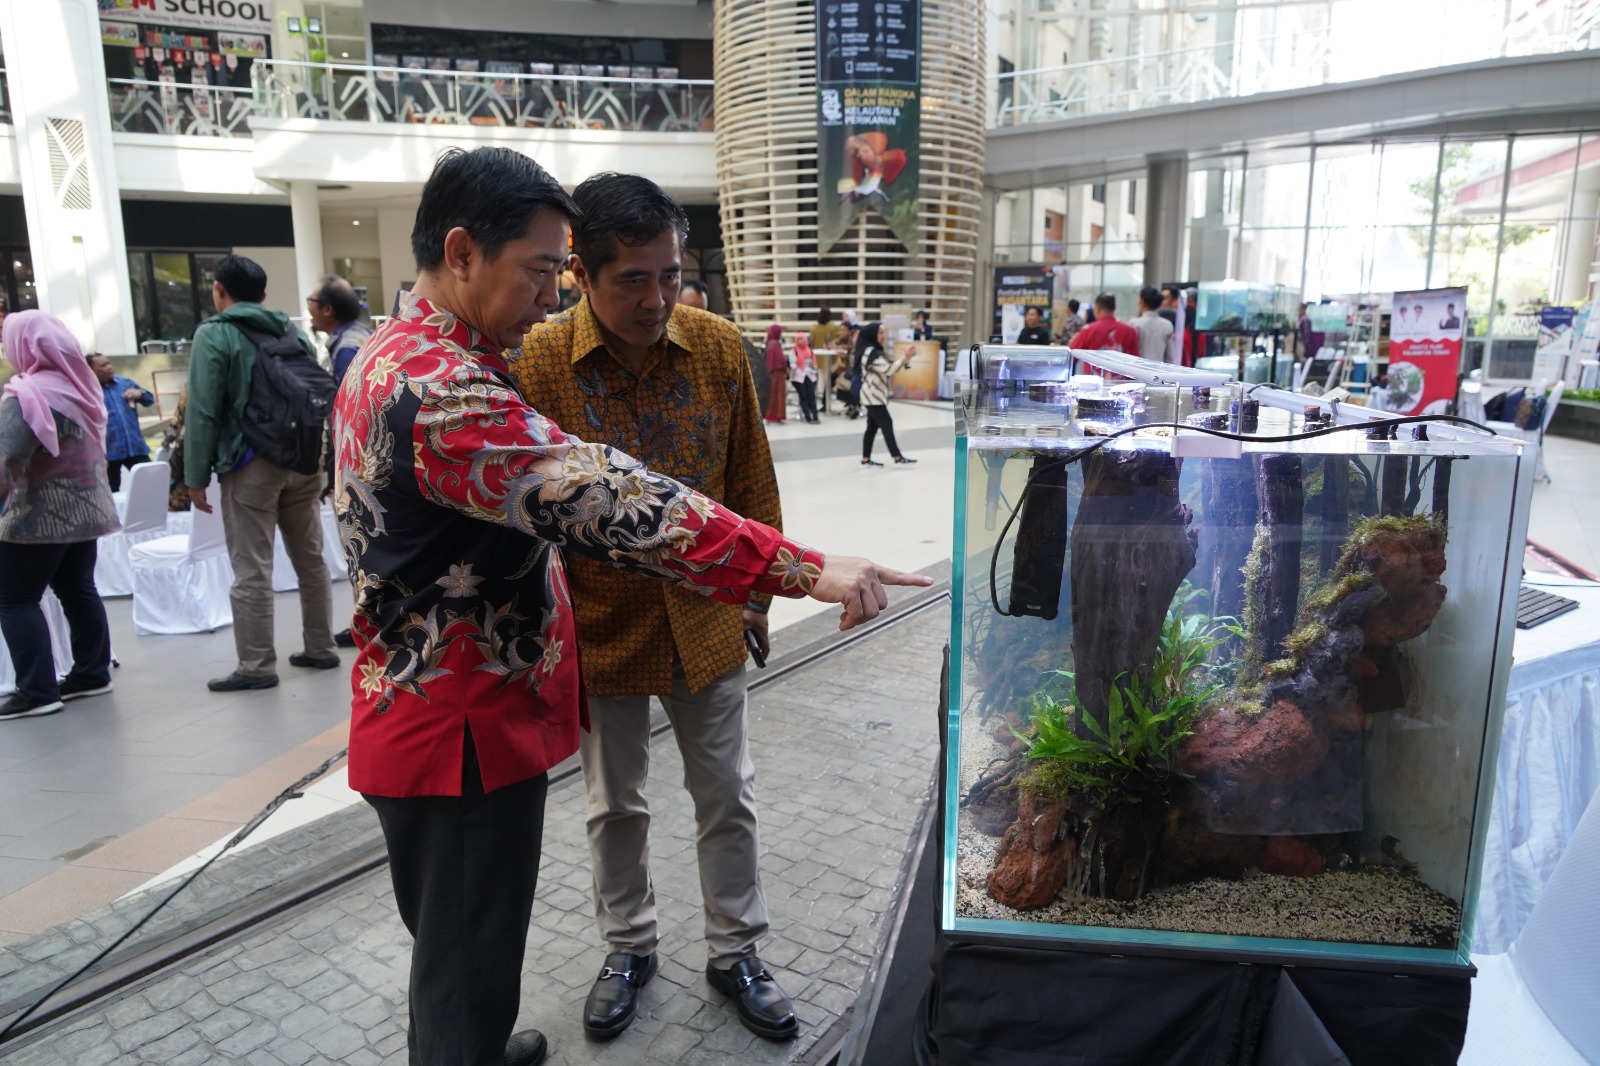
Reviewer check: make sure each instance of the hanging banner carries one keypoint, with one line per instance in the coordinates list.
(1426, 330)
(869, 115)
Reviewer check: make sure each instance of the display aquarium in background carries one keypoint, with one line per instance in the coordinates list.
(1213, 694)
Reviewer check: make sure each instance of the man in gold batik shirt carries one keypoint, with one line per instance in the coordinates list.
(672, 386)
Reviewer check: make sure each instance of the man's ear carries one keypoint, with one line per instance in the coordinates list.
(580, 274)
(460, 253)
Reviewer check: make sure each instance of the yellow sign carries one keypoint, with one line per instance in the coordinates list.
(920, 380)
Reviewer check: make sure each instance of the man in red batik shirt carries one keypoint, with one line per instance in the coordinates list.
(453, 499)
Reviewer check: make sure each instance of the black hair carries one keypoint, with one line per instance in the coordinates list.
(1032, 307)
(1073, 305)
(339, 296)
(824, 315)
(866, 337)
(693, 285)
(492, 193)
(1107, 301)
(90, 357)
(1150, 296)
(242, 279)
(622, 209)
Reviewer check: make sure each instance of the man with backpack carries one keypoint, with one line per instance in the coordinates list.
(257, 417)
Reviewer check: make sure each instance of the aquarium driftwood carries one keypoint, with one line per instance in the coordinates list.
(1283, 756)
(1282, 515)
(1335, 509)
(1229, 499)
(1131, 549)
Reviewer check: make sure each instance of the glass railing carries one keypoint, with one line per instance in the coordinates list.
(587, 101)
(1341, 51)
(139, 106)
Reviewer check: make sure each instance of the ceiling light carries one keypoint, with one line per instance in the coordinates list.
(355, 222)
(344, 55)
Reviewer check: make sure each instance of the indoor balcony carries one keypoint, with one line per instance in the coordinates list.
(362, 125)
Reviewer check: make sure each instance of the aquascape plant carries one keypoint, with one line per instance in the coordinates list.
(1134, 752)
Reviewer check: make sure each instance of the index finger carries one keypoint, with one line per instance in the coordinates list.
(901, 577)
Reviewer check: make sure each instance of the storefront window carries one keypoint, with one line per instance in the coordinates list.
(139, 287)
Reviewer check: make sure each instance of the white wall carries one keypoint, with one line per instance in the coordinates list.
(681, 19)
(196, 166)
(282, 292)
(398, 157)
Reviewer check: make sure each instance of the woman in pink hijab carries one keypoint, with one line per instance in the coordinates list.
(803, 373)
(778, 370)
(54, 505)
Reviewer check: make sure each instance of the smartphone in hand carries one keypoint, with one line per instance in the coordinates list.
(754, 644)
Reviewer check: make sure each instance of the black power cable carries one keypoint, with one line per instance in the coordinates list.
(294, 791)
(1101, 442)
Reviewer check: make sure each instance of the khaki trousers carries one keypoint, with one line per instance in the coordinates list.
(256, 499)
(717, 771)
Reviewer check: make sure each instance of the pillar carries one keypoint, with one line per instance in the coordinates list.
(62, 119)
(1578, 248)
(306, 220)
(1166, 190)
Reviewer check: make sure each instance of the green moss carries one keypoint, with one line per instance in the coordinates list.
(1303, 639)
(1333, 591)
(1254, 604)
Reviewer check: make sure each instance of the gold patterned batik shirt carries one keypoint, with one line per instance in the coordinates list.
(692, 414)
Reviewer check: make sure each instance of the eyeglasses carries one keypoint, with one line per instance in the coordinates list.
(313, 300)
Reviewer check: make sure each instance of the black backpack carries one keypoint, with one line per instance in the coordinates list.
(291, 401)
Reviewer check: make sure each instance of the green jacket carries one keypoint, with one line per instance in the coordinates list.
(220, 367)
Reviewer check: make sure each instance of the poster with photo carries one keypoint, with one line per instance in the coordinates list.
(247, 45)
(1554, 348)
(920, 379)
(1426, 331)
(1018, 287)
(869, 115)
(119, 34)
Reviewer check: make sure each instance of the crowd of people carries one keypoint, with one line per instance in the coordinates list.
(1151, 333)
(486, 544)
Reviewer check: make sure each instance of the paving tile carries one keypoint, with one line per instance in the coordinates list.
(327, 983)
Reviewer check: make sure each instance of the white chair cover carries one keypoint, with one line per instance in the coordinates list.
(144, 518)
(181, 581)
(60, 644)
(284, 578)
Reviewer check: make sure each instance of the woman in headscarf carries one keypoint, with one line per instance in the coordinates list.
(875, 370)
(54, 504)
(778, 371)
(803, 373)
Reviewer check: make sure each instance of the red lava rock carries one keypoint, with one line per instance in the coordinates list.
(1031, 865)
(1403, 616)
(1291, 857)
(1279, 746)
(1365, 667)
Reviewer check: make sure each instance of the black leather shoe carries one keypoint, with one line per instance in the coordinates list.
(614, 998)
(763, 1008)
(237, 682)
(527, 1048)
(328, 661)
(344, 639)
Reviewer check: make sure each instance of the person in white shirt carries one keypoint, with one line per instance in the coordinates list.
(1154, 331)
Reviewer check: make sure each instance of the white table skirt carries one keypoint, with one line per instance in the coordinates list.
(1549, 764)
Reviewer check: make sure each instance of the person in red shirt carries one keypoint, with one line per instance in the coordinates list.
(455, 502)
(1105, 333)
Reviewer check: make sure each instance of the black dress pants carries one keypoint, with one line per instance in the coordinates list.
(878, 418)
(806, 389)
(115, 467)
(26, 570)
(464, 869)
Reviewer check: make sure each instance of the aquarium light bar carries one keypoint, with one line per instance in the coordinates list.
(1295, 403)
(1149, 371)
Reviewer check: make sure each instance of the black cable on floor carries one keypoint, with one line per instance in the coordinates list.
(294, 791)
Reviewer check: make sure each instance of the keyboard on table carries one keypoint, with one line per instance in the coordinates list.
(1536, 605)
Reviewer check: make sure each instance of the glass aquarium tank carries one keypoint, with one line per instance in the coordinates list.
(1240, 305)
(1226, 675)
